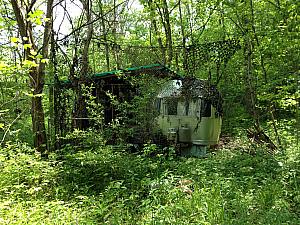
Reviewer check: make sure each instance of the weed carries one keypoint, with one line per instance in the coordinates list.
(99, 185)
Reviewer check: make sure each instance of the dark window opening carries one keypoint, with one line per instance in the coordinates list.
(205, 108)
(187, 106)
(171, 105)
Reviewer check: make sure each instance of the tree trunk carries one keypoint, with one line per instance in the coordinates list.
(164, 13)
(248, 51)
(38, 125)
(104, 33)
(156, 30)
(182, 26)
(168, 31)
(81, 116)
(36, 74)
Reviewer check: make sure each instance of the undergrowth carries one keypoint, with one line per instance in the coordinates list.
(106, 185)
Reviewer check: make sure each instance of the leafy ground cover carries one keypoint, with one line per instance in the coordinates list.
(107, 186)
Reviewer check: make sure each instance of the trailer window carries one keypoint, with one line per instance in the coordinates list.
(171, 106)
(187, 106)
(205, 108)
(157, 104)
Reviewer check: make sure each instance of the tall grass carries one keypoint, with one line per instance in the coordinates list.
(105, 186)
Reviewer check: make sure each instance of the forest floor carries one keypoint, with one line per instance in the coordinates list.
(238, 183)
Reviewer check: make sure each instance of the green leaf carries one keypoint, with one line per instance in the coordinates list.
(14, 39)
(3, 65)
(27, 46)
(39, 56)
(30, 63)
(45, 61)
(32, 52)
(36, 16)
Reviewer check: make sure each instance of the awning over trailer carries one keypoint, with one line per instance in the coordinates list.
(137, 70)
(157, 69)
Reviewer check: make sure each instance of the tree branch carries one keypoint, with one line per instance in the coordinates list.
(89, 23)
(19, 18)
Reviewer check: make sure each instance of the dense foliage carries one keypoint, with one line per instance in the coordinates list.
(108, 185)
(248, 48)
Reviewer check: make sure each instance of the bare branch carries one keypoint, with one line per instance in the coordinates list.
(91, 22)
(8, 128)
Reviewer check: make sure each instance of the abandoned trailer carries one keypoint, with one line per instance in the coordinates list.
(187, 114)
(190, 114)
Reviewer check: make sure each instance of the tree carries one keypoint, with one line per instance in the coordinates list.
(80, 113)
(26, 16)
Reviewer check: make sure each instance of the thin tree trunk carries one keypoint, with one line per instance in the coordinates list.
(168, 31)
(80, 121)
(264, 71)
(114, 33)
(190, 18)
(248, 50)
(85, 54)
(104, 35)
(262, 63)
(157, 33)
(182, 26)
(165, 20)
